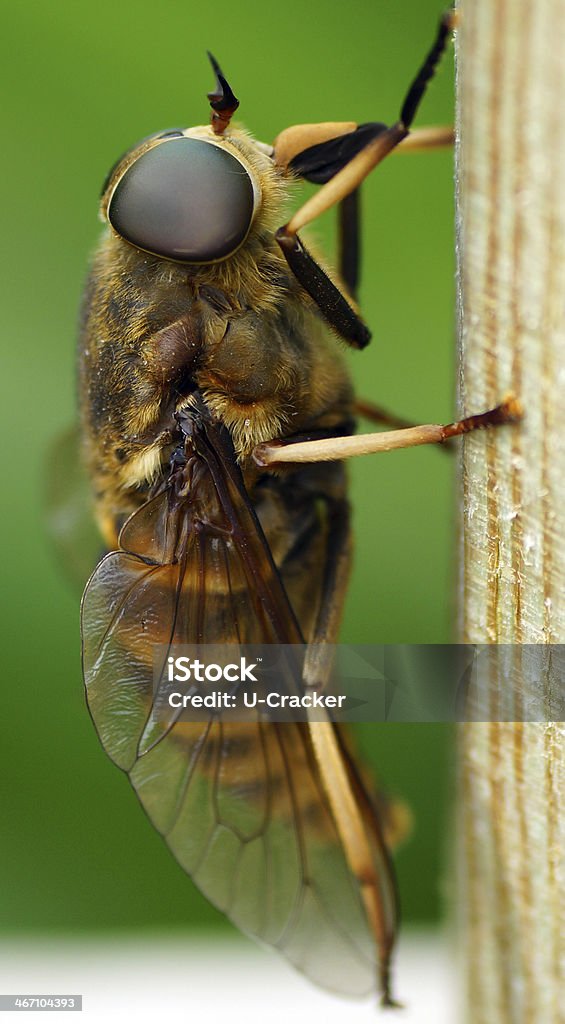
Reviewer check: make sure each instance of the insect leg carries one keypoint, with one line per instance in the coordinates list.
(349, 245)
(350, 240)
(509, 411)
(427, 70)
(434, 137)
(354, 166)
(376, 414)
(356, 169)
(351, 175)
(355, 816)
(335, 307)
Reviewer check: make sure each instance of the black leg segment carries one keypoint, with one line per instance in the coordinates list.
(350, 240)
(333, 305)
(418, 87)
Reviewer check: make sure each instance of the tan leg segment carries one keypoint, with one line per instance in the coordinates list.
(434, 137)
(334, 448)
(348, 179)
(355, 172)
(376, 414)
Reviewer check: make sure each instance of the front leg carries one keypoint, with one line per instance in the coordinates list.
(340, 157)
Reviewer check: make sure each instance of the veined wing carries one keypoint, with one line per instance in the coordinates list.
(242, 806)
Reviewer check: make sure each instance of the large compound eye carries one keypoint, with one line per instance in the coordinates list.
(116, 164)
(185, 199)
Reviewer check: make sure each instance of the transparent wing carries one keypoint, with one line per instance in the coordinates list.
(241, 805)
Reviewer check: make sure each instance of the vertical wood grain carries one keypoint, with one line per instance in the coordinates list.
(511, 310)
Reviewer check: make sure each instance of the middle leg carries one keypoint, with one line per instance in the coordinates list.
(333, 448)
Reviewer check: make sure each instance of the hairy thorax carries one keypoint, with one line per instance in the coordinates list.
(241, 332)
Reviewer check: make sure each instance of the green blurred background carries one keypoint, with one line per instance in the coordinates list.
(84, 81)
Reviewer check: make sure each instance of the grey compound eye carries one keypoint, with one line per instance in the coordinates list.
(185, 199)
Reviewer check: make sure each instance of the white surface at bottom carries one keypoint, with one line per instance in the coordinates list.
(168, 979)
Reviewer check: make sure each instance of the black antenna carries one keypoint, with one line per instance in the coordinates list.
(223, 102)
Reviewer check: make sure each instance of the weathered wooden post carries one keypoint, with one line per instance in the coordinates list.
(511, 251)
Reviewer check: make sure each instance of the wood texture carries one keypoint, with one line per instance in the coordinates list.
(511, 250)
